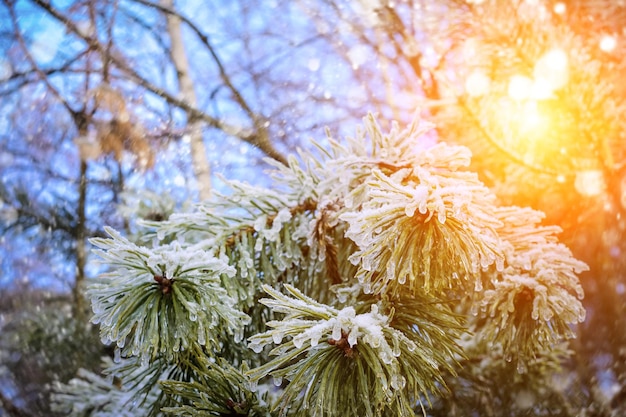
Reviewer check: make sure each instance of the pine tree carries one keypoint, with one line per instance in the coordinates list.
(377, 276)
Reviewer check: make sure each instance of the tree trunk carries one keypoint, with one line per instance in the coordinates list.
(199, 158)
(81, 253)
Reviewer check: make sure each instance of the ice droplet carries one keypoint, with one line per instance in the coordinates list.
(336, 334)
(277, 337)
(298, 342)
(411, 346)
(398, 381)
(499, 264)
(253, 385)
(396, 350)
(256, 348)
(535, 313)
(521, 367)
(278, 381)
(238, 335)
(391, 269)
(474, 309)
(386, 357)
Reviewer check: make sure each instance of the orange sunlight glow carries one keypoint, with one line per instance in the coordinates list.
(528, 115)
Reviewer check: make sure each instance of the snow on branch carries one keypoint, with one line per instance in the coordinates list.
(158, 301)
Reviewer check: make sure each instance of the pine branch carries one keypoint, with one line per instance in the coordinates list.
(411, 246)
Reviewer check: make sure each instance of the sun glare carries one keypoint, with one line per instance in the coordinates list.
(608, 43)
(520, 87)
(477, 83)
(589, 183)
(553, 68)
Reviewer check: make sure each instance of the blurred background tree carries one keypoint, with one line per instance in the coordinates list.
(97, 109)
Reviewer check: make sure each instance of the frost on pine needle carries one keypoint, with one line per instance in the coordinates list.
(160, 301)
(424, 227)
(535, 297)
(218, 388)
(327, 352)
(379, 254)
(90, 394)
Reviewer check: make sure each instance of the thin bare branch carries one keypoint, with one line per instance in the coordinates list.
(256, 137)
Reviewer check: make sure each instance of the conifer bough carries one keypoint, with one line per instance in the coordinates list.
(354, 286)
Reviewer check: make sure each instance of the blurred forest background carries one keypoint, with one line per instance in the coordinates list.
(114, 111)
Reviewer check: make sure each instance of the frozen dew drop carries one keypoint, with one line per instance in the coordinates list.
(277, 381)
(238, 335)
(391, 269)
(535, 313)
(117, 355)
(253, 385)
(474, 310)
(277, 337)
(521, 367)
(396, 350)
(386, 357)
(336, 335)
(298, 342)
(547, 313)
(398, 381)
(499, 264)
(411, 346)
(352, 339)
(478, 285)
(256, 348)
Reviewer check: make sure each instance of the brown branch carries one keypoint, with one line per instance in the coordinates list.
(11, 409)
(261, 138)
(31, 60)
(205, 41)
(258, 139)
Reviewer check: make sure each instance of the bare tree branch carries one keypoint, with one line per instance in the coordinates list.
(11, 409)
(179, 59)
(257, 137)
